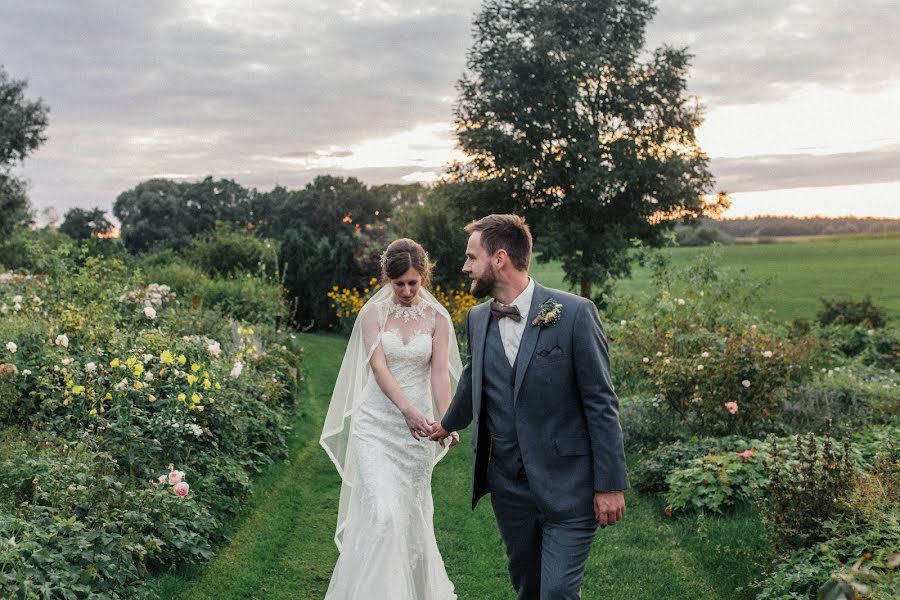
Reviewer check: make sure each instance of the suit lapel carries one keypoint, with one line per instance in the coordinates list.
(480, 319)
(529, 338)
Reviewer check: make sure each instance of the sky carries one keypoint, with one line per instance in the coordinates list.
(801, 97)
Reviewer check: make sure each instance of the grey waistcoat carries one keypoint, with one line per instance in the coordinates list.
(499, 405)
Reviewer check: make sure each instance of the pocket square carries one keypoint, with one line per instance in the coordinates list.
(554, 351)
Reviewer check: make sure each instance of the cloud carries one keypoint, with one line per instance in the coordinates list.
(788, 171)
(765, 50)
(196, 87)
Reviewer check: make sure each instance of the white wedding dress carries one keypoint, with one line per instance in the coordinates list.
(388, 547)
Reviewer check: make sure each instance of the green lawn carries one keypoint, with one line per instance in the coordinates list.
(282, 547)
(801, 272)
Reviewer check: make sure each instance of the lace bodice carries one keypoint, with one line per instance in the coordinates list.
(407, 342)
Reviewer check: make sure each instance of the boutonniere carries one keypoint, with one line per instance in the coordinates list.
(550, 313)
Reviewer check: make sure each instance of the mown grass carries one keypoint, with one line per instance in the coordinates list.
(800, 272)
(282, 547)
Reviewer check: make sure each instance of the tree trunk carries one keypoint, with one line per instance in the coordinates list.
(586, 285)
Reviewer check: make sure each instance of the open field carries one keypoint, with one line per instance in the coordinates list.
(800, 272)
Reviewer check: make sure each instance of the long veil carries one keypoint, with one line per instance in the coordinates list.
(348, 393)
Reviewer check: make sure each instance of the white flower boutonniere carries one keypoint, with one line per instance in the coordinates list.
(550, 313)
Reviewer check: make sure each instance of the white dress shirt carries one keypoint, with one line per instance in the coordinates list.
(511, 331)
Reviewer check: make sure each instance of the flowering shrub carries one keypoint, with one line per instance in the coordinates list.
(108, 380)
(714, 368)
(348, 302)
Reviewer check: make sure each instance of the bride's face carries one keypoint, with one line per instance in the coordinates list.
(406, 287)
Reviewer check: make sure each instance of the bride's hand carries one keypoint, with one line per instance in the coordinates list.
(419, 426)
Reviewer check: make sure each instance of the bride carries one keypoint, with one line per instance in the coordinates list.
(401, 362)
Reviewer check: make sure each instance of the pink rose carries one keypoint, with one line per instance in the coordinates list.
(176, 477)
(732, 407)
(163, 479)
(746, 454)
(182, 489)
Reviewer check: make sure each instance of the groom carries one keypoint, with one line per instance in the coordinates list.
(547, 441)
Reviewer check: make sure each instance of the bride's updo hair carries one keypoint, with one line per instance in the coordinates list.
(403, 254)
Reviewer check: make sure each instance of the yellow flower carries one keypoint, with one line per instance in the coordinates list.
(138, 385)
(130, 361)
(115, 363)
(206, 374)
(195, 397)
(78, 390)
(206, 384)
(108, 396)
(93, 412)
(138, 370)
(195, 367)
(166, 357)
(218, 386)
(182, 397)
(181, 359)
(192, 379)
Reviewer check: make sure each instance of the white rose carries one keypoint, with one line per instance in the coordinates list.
(90, 367)
(11, 346)
(236, 369)
(62, 340)
(150, 312)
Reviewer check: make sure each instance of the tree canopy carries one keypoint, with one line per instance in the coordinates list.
(80, 224)
(590, 136)
(22, 125)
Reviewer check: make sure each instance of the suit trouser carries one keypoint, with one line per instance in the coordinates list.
(546, 558)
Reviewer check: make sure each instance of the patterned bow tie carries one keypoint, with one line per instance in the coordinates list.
(505, 310)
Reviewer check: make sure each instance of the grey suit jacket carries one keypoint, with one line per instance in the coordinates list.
(567, 414)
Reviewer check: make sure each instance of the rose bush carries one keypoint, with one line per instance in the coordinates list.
(109, 380)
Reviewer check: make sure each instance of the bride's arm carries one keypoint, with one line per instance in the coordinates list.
(415, 419)
(440, 366)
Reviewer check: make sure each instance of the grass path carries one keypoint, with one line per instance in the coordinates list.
(283, 548)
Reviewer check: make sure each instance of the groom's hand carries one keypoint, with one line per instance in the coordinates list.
(438, 433)
(609, 507)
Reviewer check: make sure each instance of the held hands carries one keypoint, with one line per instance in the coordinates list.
(609, 507)
(420, 427)
(440, 435)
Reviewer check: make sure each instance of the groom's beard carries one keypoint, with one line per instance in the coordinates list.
(484, 286)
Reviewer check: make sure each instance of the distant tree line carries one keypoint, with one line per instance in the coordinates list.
(769, 226)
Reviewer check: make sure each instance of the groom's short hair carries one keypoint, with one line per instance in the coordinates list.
(507, 232)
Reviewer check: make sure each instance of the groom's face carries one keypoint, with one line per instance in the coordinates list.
(479, 267)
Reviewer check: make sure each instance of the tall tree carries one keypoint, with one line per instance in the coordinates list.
(22, 125)
(80, 224)
(591, 138)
